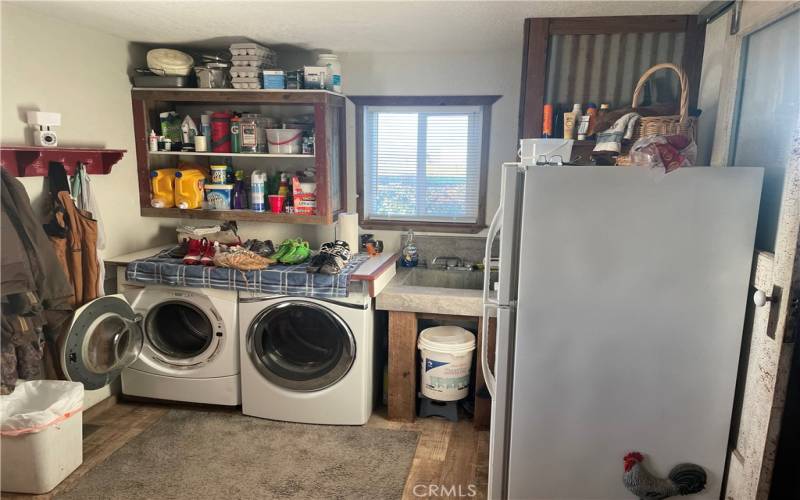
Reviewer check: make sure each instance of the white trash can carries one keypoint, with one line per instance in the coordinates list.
(446, 362)
(42, 435)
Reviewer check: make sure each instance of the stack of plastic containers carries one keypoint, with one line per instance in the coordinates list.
(248, 60)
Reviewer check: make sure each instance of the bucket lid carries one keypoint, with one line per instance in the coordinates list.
(448, 339)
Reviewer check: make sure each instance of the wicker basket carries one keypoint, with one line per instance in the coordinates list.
(681, 124)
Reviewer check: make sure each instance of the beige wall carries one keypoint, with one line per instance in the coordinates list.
(56, 66)
(83, 74)
(442, 73)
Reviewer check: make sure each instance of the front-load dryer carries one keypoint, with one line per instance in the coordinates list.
(178, 344)
(307, 360)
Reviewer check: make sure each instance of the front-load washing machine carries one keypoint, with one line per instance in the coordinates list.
(307, 360)
(178, 344)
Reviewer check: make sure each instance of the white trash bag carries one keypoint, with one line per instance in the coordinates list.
(38, 404)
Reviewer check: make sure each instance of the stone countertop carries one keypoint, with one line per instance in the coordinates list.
(398, 296)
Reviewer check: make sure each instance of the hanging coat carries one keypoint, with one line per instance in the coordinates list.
(73, 233)
(35, 292)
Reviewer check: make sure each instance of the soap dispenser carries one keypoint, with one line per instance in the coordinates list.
(410, 255)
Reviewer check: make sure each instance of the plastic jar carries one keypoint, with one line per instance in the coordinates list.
(333, 78)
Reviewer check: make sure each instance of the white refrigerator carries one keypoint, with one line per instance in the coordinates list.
(620, 305)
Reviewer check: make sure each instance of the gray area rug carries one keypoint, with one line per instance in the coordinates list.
(198, 455)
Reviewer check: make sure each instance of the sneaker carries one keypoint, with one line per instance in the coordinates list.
(283, 249)
(332, 258)
(179, 251)
(298, 254)
(194, 252)
(209, 250)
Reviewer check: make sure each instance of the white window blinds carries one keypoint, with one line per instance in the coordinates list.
(422, 163)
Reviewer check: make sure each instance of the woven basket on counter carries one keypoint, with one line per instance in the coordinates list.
(680, 124)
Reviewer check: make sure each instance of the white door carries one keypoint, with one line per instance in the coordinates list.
(757, 124)
(104, 338)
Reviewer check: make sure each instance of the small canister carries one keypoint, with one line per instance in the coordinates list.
(200, 144)
(221, 132)
(219, 174)
(236, 140)
(248, 131)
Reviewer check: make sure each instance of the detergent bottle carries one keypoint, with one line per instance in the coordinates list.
(162, 183)
(189, 188)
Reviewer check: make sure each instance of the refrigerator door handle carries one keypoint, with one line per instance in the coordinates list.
(489, 303)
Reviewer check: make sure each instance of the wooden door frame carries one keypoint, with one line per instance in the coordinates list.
(535, 46)
(767, 352)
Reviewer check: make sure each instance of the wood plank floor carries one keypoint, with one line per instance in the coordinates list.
(450, 458)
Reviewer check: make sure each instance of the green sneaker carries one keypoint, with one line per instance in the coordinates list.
(283, 249)
(300, 253)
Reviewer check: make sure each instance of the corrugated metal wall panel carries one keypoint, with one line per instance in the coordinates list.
(605, 68)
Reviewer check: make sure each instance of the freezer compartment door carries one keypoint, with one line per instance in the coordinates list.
(631, 303)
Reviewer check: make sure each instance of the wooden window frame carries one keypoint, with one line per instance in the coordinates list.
(484, 101)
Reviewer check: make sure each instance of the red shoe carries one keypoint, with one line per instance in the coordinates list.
(207, 259)
(194, 252)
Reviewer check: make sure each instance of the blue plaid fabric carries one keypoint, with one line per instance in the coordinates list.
(276, 279)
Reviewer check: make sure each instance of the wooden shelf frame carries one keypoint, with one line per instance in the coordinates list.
(34, 161)
(536, 44)
(329, 136)
(228, 155)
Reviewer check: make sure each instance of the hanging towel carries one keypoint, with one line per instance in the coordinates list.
(82, 193)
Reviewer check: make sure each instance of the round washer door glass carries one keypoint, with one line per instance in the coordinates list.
(104, 338)
(301, 346)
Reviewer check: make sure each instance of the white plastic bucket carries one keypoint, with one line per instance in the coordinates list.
(42, 435)
(446, 362)
(284, 140)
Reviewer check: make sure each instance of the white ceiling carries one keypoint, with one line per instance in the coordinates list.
(340, 26)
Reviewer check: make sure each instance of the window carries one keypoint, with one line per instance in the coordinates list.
(423, 161)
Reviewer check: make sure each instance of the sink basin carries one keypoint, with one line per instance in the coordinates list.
(436, 291)
(440, 278)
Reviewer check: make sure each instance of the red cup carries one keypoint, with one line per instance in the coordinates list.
(276, 202)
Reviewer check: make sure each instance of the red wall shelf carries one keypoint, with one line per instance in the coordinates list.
(32, 161)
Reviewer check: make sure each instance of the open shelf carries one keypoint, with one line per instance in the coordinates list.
(33, 161)
(257, 96)
(239, 215)
(328, 161)
(227, 155)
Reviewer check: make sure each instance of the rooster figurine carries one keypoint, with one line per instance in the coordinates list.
(683, 479)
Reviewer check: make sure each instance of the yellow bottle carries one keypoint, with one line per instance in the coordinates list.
(162, 182)
(189, 188)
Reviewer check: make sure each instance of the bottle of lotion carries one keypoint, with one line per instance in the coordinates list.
(569, 125)
(576, 111)
(153, 141)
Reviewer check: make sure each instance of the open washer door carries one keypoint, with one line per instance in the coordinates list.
(105, 336)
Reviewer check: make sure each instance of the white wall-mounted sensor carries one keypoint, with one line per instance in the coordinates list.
(42, 121)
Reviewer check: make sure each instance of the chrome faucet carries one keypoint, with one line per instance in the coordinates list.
(447, 262)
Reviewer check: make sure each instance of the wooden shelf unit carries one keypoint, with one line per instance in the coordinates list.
(328, 109)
